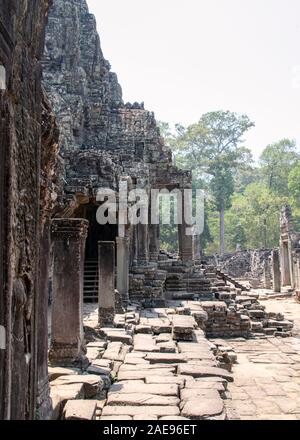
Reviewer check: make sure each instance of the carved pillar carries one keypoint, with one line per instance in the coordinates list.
(44, 404)
(67, 339)
(154, 242)
(123, 268)
(106, 283)
(276, 271)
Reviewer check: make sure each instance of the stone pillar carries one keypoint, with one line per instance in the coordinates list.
(285, 263)
(154, 242)
(185, 242)
(267, 275)
(276, 271)
(106, 301)
(197, 248)
(67, 338)
(142, 244)
(123, 268)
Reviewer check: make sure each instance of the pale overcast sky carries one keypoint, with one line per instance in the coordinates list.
(186, 58)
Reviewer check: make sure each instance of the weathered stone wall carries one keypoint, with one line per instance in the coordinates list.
(27, 148)
(248, 264)
(103, 140)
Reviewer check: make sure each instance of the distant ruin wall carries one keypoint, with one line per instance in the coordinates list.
(248, 264)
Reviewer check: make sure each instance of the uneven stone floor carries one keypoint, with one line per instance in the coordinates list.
(165, 370)
(157, 364)
(267, 374)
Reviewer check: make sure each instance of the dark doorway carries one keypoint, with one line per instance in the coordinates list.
(97, 233)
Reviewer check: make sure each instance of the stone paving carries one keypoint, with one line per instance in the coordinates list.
(154, 364)
(267, 374)
(157, 364)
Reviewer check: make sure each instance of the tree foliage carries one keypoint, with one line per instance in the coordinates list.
(250, 194)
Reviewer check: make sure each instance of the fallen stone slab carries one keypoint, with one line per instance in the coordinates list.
(163, 338)
(183, 324)
(178, 380)
(160, 389)
(147, 366)
(159, 411)
(173, 418)
(116, 351)
(142, 374)
(196, 347)
(117, 335)
(195, 385)
(102, 345)
(94, 353)
(144, 343)
(144, 329)
(165, 358)
(56, 372)
(101, 371)
(92, 384)
(62, 393)
(197, 409)
(138, 399)
(167, 347)
(103, 363)
(159, 326)
(124, 417)
(145, 417)
(80, 410)
(188, 393)
(198, 371)
(135, 361)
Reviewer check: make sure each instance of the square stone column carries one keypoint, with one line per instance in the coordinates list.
(67, 337)
(186, 244)
(106, 296)
(267, 275)
(123, 268)
(276, 274)
(142, 244)
(154, 242)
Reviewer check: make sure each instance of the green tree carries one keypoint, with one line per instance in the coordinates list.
(294, 184)
(212, 149)
(256, 212)
(277, 161)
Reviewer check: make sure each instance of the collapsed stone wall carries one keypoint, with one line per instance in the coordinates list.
(247, 264)
(28, 146)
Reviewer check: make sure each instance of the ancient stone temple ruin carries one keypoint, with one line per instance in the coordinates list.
(289, 251)
(97, 322)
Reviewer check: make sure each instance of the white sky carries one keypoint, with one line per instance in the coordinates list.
(186, 58)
